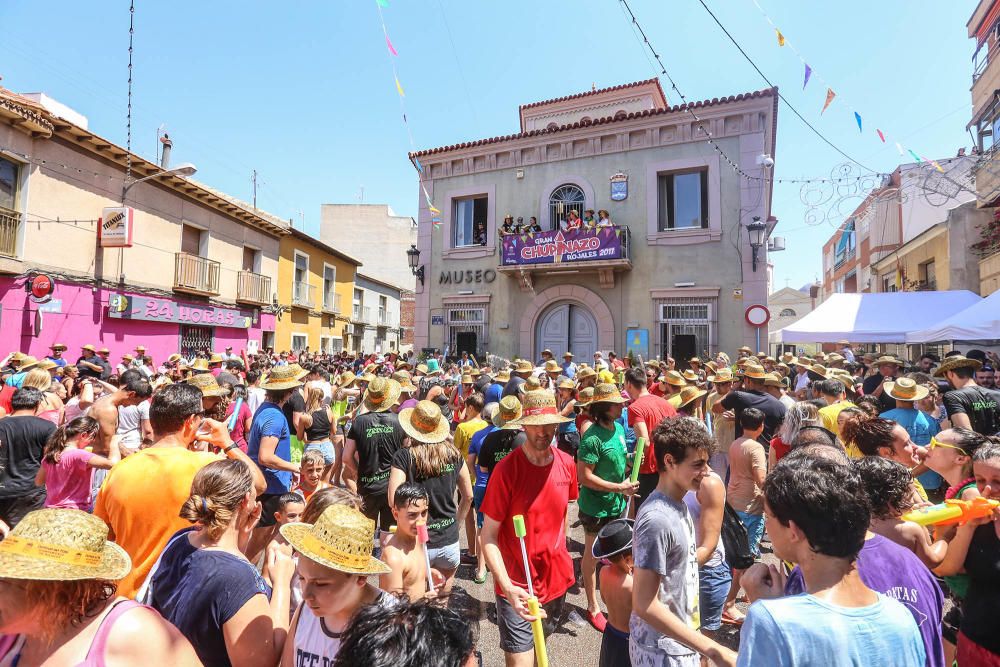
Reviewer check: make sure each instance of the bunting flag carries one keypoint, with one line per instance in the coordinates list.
(382, 3)
(937, 166)
(399, 88)
(880, 135)
(857, 117)
(392, 49)
(781, 38)
(900, 149)
(433, 210)
(829, 98)
(809, 71)
(915, 156)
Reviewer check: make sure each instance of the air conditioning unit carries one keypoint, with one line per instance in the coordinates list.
(776, 244)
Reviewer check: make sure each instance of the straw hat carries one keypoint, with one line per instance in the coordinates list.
(694, 360)
(531, 384)
(405, 383)
(690, 376)
(818, 371)
(523, 366)
(689, 394)
(140, 348)
(104, 350)
(566, 384)
(584, 397)
(46, 364)
(467, 379)
(424, 423)
(341, 539)
(201, 366)
(886, 359)
(28, 362)
(88, 347)
(208, 385)
(422, 368)
(281, 377)
(17, 356)
(607, 393)
(567, 355)
(722, 375)
(366, 377)
(548, 352)
(552, 366)
(905, 389)
(772, 380)
(673, 378)
(711, 366)
(58, 346)
(381, 394)
(654, 363)
(584, 372)
(788, 357)
(299, 371)
(474, 372)
(539, 409)
(950, 363)
(347, 378)
(216, 358)
(62, 545)
(508, 410)
(745, 348)
(754, 371)
(503, 376)
(173, 358)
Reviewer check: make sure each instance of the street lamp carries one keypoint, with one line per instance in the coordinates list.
(756, 230)
(413, 257)
(184, 169)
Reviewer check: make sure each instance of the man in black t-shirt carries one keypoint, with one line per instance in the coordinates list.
(753, 396)
(22, 442)
(888, 369)
(505, 439)
(969, 405)
(518, 376)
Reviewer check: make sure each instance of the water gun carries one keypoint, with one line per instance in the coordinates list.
(541, 655)
(423, 538)
(952, 511)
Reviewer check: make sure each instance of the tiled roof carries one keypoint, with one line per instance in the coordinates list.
(767, 92)
(634, 84)
(27, 111)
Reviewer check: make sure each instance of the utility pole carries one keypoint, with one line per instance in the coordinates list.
(253, 186)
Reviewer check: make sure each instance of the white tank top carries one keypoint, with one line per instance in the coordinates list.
(718, 556)
(315, 644)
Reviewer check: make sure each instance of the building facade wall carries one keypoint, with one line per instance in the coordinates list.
(373, 234)
(375, 333)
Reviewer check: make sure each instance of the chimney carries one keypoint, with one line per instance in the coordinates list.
(165, 155)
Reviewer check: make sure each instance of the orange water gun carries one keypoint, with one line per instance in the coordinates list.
(952, 511)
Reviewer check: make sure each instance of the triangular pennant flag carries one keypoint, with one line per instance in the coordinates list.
(781, 38)
(899, 148)
(399, 88)
(392, 49)
(880, 135)
(829, 98)
(433, 210)
(382, 3)
(915, 156)
(937, 166)
(857, 117)
(809, 71)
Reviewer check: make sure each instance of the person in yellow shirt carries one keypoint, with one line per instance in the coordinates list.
(835, 394)
(472, 422)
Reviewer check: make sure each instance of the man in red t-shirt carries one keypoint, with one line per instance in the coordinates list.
(6, 393)
(644, 413)
(537, 481)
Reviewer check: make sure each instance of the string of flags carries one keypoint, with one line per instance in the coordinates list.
(831, 94)
(393, 55)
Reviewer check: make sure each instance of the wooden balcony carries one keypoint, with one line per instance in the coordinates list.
(331, 303)
(303, 295)
(253, 288)
(605, 251)
(10, 223)
(196, 275)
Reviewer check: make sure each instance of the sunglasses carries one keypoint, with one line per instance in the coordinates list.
(937, 443)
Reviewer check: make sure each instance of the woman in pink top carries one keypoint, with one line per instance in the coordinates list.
(68, 467)
(58, 610)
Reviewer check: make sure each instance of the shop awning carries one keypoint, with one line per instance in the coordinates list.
(978, 323)
(885, 317)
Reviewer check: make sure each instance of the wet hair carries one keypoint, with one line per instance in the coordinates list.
(870, 405)
(313, 456)
(172, 406)
(26, 398)
(887, 486)
(287, 499)
(799, 415)
(819, 450)
(678, 437)
(409, 493)
(57, 441)
(134, 381)
(826, 501)
(328, 497)
(831, 387)
(278, 396)
(476, 401)
(751, 419)
(814, 435)
(989, 451)
(59, 604)
(868, 434)
(216, 493)
(636, 377)
(406, 635)
(38, 379)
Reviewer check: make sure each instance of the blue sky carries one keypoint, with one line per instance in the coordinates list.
(302, 91)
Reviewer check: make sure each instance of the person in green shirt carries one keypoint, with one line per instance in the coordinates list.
(603, 484)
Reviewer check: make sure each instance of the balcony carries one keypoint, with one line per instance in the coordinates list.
(253, 288)
(10, 222)
(605, 250)
(331, 303)
(303, 295)
(362, 314)
(196, 275)
(385, 319)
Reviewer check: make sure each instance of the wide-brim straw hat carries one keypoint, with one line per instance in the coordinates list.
(173, 358)
(347, 379)
(503, 376)
(723, 375)
(566, 384)
(467, 379)
(58, 346)
(690, 394)
(552, 366)
(508, 410)
(890, 360)
(216, 358)
(567, 355)
(523, 366)
(88, 347)
(951, 363)
(531, 384)
(772, 380)
(62, 545)
(282, 377)
(341, 539)
(788, 357)
(711, 366)
(46, 365)
(754, 371)
(538, 408)
(199, 365)
(27, 362)
(424, 422)
(208, 385)
(744, 348)
(585, 372)
(905, 389)
(607, 393)
(673, 378)
(818, 371)
(104, 350)
(421, 368)
(690, 376)
(584, 397)
(381, 394)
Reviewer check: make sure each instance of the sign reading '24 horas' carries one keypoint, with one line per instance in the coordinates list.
(559, 246)
(146, 308)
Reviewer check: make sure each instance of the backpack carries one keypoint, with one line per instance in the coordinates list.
(734, 539)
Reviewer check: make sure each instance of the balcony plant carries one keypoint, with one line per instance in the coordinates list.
(990, 237)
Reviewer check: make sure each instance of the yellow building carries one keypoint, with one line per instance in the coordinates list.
(315, 291)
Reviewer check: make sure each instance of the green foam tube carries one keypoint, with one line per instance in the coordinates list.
(640, 449)
(519, 530)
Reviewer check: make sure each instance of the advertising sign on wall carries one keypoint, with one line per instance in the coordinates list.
(149, 309)
(114, 229)
(559, 246)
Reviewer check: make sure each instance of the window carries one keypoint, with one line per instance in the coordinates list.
(469, 222)
(564, 199)
(786, 312)
(195, 339)
(300, 342)
(9, 178)
(682, 200)
(686, 328)
(330, 288)
(251, 261)
(889, 283)
(846, 245)
(927, 275)
(383, 308)
(194, 241)
(359, 298)
(300, 280)
(465, 327)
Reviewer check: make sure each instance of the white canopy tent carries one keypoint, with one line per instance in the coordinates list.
(979, 323)
(883, 317)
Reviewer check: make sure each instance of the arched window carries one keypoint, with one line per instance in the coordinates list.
(564, 199)
(620, 114)
(552, 126)
(786, 312)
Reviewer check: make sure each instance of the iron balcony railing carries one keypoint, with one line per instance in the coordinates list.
(10, 223)
(362, 314)
(596, 245)
(385, 319)
(196, 274)
(303, 295)
(331, 303)
(253, 288)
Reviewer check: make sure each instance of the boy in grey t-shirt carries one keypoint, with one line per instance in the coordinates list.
(665, 618)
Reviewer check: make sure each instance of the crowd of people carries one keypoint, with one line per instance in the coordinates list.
(307, 509)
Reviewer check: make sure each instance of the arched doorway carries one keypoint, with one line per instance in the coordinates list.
(567, 326)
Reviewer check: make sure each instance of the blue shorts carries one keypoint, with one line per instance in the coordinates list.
(713, 587)
(446, 558)
(754, 523)
(478, 493)
(326, 449)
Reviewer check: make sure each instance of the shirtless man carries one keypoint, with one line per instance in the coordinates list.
(614, 543)
(402, 552)
(133, 389)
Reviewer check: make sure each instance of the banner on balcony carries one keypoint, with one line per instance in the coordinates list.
(558, 246)
(114, 229)
(149, 309)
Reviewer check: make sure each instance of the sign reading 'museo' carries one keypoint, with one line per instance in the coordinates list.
(561, 246)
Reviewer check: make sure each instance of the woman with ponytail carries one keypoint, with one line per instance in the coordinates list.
(205, 586)
(875, 436)
(67, 468)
